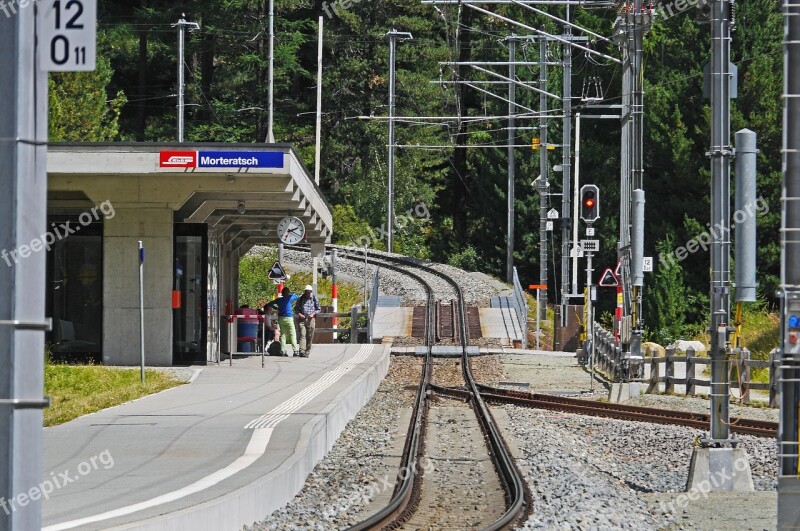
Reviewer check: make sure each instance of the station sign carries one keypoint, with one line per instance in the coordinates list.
(220, 159)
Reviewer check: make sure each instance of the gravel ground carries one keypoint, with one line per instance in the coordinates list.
(703, 405)
(448, 372)
(587, 472)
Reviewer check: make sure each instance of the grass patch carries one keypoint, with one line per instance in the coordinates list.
(760, 334)
(76, 390)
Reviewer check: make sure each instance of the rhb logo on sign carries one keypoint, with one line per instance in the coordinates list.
(178, 159)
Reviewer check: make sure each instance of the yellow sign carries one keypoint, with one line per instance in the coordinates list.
(535, 143)
(619, 298)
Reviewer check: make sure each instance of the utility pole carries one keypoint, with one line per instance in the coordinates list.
(718, 452)
(544, 184)
(512, 51)
(182, 24)
(393, 36)
(629, 29)
(720, 155)
(789, 375)
(566, 174)
(23, 215)
(319, 107)
(271, 74)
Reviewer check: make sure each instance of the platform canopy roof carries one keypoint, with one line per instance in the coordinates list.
(240, 190)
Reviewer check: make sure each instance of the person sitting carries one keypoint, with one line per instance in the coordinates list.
(284, 304)
(271, 331)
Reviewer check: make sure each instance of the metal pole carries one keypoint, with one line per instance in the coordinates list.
(512, 44)
(393, 36)
(23, 206)
(181, 30)
(637, 182)
(543, 173)
(720, 217)
(566, 177)
(141, 307)
(271, 74)
(390, 206)
(319, 105)
(590, 314)
(575, 202)
(789, 376)
(366, 273)
(182, 24)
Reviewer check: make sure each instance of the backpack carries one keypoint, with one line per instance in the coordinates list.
(275, 349)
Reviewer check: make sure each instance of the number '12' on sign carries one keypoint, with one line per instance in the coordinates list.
(67, 32)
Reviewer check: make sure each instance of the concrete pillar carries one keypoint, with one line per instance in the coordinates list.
(152, 225)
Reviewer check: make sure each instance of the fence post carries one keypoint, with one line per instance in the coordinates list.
(669, 371)
(652, 387)
(744, 375)
(774, 364)
(691, 372)
(354, 325)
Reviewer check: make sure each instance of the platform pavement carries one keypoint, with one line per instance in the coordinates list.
(219, 453)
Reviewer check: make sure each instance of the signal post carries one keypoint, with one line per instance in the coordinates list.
(590, 212)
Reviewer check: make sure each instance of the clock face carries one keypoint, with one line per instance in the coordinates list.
(291, 230)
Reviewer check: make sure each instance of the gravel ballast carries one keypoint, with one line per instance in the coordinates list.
(585, 472)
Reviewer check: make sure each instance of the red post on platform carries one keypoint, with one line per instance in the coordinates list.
(334, 295)
(618, 315)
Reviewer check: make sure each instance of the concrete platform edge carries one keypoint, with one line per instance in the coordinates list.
(259, 499)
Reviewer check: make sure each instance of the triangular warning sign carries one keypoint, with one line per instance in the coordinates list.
(277, 272)
(608, 280)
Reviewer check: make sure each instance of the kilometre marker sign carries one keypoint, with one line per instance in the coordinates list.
(67, 32)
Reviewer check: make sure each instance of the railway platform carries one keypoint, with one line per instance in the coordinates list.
(218, 453)
(499, 321)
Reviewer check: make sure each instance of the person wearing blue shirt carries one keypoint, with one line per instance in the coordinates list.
(284, 304)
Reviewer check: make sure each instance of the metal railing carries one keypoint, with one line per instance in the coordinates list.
(608, 355)
(354, 314)
(521, 307)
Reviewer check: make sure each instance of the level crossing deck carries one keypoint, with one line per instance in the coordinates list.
(221, 452)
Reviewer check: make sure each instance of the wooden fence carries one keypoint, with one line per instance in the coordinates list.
(740, 360)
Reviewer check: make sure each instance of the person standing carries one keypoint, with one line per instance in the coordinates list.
(307, 308)
(284, 304)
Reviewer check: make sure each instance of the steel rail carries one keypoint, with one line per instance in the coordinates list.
(759, 428)
(406, 492)
(510, 476)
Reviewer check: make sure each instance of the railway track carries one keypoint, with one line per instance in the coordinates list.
(414, 503)
(758, 428)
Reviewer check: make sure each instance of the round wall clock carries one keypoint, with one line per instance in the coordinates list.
(291, 230)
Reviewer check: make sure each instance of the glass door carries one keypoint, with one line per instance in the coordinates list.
(75, 292)
(189, 294)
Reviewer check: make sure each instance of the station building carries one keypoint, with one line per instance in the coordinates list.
(196, 208)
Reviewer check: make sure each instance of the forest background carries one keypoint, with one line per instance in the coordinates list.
(132, 97)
